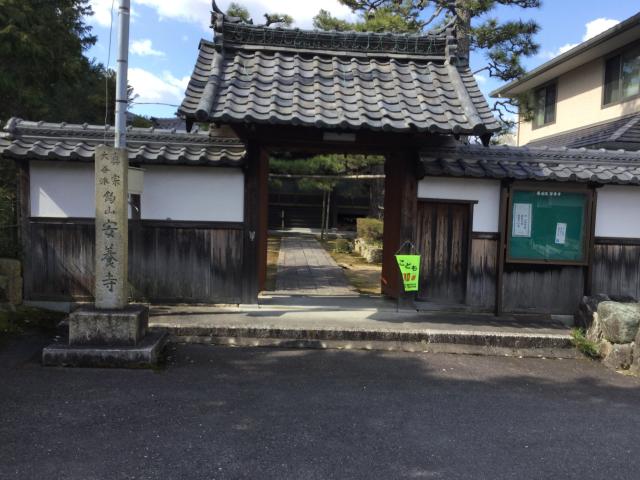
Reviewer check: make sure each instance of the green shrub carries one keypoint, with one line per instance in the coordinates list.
(584, 345)
(369, 229)
(342, 245)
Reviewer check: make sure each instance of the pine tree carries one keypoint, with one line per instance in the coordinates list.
(44, 74)
(502, 43)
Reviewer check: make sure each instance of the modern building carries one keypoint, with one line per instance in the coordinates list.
(587, 97)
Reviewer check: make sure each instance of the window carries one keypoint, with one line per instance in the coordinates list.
(622, 76)
(544, 105)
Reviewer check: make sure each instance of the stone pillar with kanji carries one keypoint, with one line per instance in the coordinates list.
(111, 257)
(112, 332)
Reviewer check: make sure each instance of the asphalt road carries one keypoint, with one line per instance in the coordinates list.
(218, 413)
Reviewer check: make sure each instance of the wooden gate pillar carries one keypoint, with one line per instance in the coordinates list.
(400, 208)
(254, 264)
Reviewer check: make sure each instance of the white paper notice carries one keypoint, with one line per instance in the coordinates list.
(521, 220)
(561, 233)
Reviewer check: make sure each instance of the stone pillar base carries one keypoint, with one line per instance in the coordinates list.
(107, 338)
(146, 354)
(89, 326)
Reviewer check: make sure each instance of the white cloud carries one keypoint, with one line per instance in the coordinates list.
(480, 78)
(145, 48)
(199, 11)
(154, 89)
(592, 29)
(102, 12)
(597, 26)
(192, 11)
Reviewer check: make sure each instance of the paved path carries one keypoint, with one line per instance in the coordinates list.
(234, 413)
(305, 268)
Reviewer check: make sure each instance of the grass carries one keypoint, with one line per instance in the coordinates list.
(365, 277)
(584, 345)
(273, 250)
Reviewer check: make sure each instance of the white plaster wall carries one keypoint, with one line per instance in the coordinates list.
(485, 192)
(618, 212)
(60, 189)
(193, 193)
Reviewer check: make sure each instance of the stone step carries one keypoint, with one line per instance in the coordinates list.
(484, 342)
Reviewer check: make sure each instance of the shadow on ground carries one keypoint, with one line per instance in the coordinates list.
(217, 412)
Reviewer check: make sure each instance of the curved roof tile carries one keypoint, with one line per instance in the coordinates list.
(528, 163)
(147, 146)
(335, 80)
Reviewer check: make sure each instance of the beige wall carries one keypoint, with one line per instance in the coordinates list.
(579, 104)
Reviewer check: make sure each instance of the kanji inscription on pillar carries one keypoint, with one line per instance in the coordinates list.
(111, 228)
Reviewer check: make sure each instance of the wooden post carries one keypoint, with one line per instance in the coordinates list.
(588, 281)
(328, 215)
(502, 242)
(400, 208)
(255, 222)
(24, 236)
(324, 214)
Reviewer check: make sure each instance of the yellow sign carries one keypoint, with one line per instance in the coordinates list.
(410, 270)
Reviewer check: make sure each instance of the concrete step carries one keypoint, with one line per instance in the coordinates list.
(234, 330)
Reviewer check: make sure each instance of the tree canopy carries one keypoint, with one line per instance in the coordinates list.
(503, 44)
(276, 19)
(44, 74)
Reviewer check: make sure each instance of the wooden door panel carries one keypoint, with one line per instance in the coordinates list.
(443, 241)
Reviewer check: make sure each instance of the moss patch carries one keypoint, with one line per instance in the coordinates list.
(25, 319)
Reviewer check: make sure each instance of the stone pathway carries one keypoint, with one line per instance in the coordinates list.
(305, 268)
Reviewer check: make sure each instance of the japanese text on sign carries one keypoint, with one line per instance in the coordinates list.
(410, 271)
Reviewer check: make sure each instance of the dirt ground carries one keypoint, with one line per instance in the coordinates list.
(273, 249)
(365, 277)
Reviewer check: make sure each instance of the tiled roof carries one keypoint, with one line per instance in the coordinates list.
(60, 141)
(335, 80)
(171, 123)
(621, 133)
(528, 163)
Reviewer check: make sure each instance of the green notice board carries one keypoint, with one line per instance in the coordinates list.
(547, 226)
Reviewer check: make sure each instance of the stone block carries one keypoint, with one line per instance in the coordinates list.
(10, 267)
(604, 348)
(89, 326)
(619, 356)
(619, 321)
(371, 253)
(146, 354)
(594, 331)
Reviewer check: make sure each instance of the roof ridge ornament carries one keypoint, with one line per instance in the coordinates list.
(451, 47)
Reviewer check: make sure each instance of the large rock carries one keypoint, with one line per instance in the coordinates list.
(587, 308)
(619, 321)
(594, 331)
(619, 356)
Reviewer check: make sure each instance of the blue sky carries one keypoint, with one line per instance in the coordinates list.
(165, 35)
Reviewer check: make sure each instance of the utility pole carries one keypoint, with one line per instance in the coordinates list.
(112, 332)
(124, 13)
